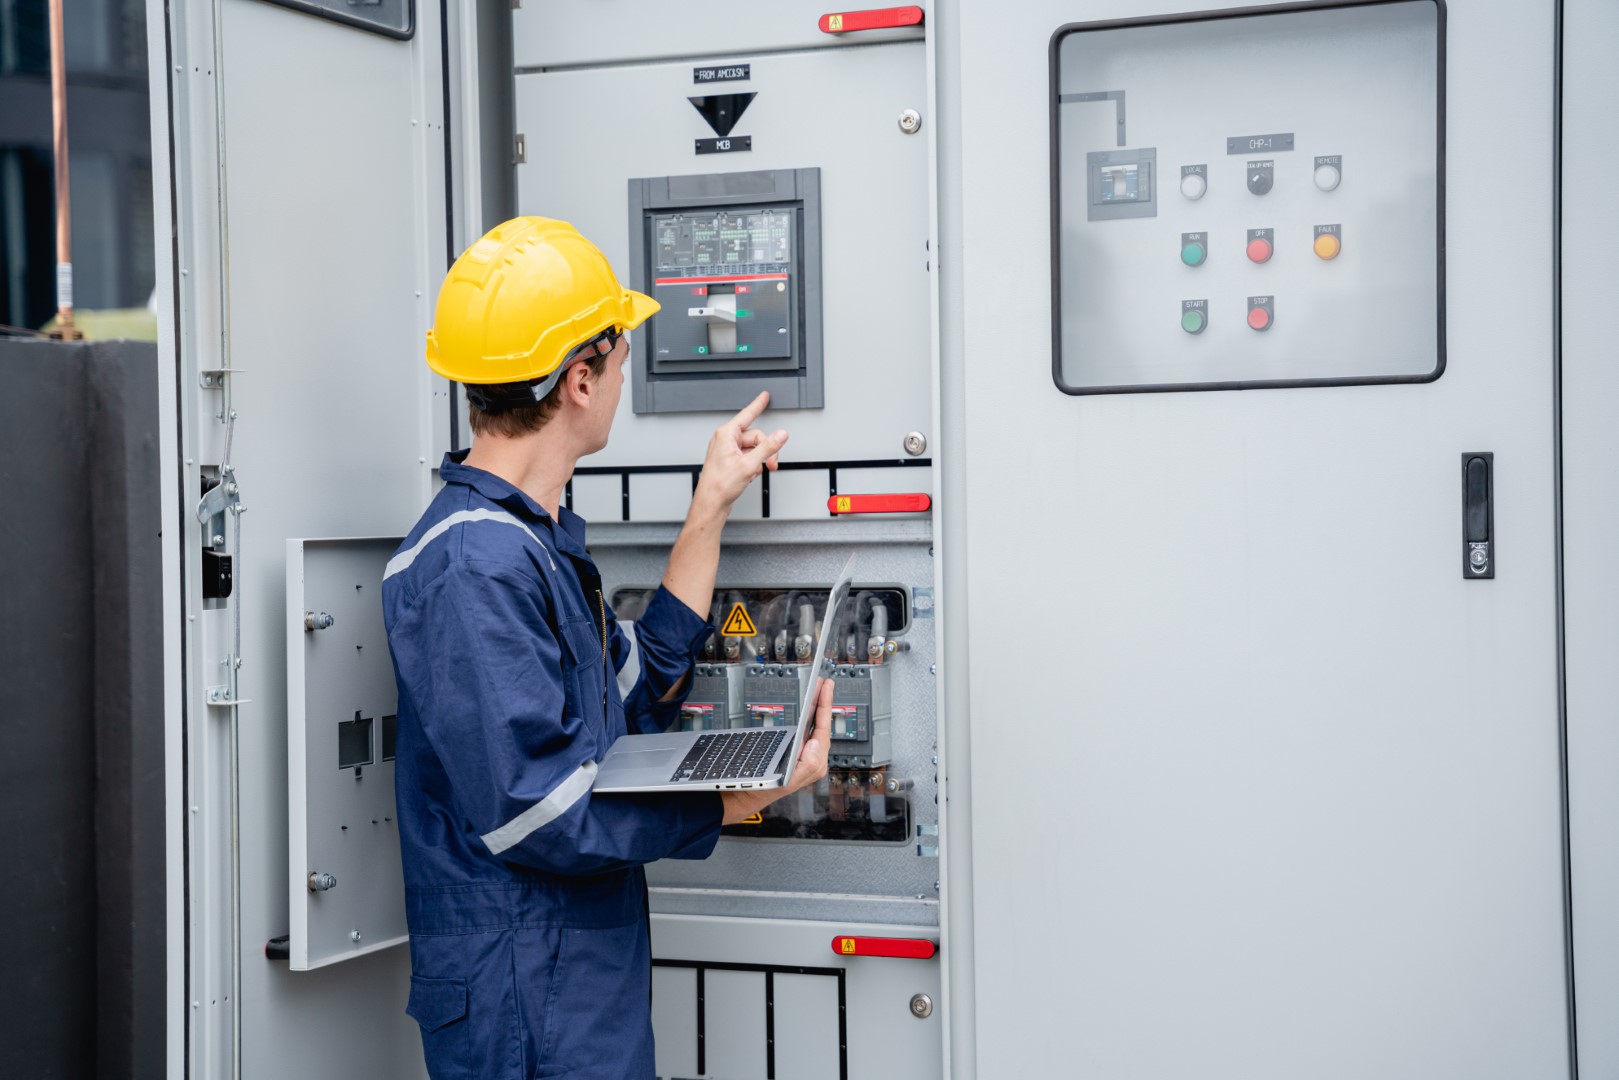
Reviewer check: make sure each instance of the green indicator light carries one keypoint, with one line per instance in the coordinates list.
(744, 348)
(1193, 254)
(1192, 321)
(744, 314)
(701, 350)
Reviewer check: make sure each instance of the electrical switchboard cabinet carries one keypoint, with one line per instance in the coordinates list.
(1214, 650)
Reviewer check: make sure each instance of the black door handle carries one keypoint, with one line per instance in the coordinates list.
(1478, 515)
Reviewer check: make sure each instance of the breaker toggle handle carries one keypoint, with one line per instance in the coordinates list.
(901, 948)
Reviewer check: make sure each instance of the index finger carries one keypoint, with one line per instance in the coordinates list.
(750, 412)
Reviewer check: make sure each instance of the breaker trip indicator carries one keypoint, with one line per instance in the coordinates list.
(1328, 241)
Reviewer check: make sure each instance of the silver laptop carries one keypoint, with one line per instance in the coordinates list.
(724, 760)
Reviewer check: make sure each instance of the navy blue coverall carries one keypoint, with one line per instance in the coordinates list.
(524, 893)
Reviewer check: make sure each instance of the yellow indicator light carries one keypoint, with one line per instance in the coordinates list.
(1327, 245)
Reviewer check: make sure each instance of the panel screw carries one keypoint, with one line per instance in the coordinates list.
(921, 1006)
(319, 882)
(915, 443)
(354, 936)
(910, 121)
(318, 620)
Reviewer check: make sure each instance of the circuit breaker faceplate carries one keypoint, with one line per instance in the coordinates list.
(734, 260)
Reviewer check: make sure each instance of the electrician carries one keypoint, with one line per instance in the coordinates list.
(524, 894)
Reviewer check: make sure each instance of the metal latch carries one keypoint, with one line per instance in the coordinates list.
(223, 496)
(927, 837)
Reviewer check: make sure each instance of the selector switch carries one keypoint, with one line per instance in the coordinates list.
(1261, 176)
(1328, 241)
(1194, 248)
(1261, 245)
(1194, 315)
(1194, 180)
(1261, 312)
(1329, 171)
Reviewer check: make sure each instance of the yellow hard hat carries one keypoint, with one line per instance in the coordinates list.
(520, 300)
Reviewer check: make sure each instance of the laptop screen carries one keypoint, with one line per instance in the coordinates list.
(820, 667)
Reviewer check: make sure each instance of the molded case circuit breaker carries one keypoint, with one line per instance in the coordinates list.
(771, 694)
(862, 716)
(715, 700)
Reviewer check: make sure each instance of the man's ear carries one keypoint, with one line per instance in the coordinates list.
(577, 385)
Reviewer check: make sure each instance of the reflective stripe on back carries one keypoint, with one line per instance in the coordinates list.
(403, 560)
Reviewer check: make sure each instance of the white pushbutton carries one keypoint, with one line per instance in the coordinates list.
(1193, 185)
(1327, 177)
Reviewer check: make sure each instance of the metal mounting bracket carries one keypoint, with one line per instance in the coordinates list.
(223, 696)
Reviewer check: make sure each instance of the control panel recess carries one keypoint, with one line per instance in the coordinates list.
(1224, 222)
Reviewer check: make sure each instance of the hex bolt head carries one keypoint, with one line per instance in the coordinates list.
(915, 443)
(921, 1006)
(910, 121)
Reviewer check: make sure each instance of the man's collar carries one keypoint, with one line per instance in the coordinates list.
(454, 470)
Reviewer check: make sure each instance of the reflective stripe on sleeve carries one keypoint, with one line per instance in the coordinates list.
(403, 560)
(544, 812)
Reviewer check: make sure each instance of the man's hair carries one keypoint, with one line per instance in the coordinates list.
(511, 423)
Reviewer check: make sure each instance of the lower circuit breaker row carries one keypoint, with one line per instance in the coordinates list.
(768, 695)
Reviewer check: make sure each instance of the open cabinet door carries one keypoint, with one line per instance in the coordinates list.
(344, 889)
(311, 227)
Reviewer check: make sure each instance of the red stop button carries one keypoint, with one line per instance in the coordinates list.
(1259, 250)
(1259, 318)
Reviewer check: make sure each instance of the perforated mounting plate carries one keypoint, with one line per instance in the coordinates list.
(340, 793)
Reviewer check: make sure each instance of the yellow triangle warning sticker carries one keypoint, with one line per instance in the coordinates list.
(737, 623)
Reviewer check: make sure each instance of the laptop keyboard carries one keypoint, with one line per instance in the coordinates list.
(731, 755)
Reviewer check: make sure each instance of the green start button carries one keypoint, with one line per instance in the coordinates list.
(1193, 321)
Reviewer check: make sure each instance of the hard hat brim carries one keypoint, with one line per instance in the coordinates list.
(641, 307)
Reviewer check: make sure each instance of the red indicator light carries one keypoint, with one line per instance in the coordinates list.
(700, 290)
(879, 504)
(1259, 318)
(1259, 249)
(743, 290)
(847, 22)
(902, 948)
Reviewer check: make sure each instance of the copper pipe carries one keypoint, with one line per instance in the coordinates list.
(64, 250)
